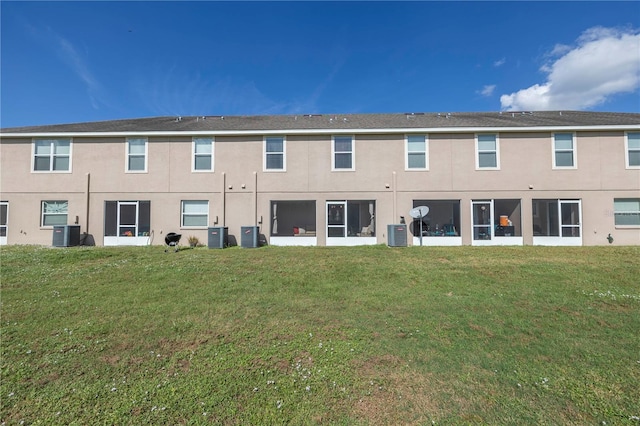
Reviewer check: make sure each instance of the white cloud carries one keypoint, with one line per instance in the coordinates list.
(73, 59)
(487, 90)
(604, 62)
(500, 62)
(79, 66)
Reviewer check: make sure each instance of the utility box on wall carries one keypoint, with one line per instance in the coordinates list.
(218, 237)
(397, 235)
(249, 236)
(66, 235)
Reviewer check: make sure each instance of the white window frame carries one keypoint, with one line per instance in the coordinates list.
(495, 151)
(334, 153)
(195, 154)
(43, 214)
(573, 150)
(425, 152)
(628, 149)
(283, 153)
(52, 154)
(128, 154)
(183, 214)
(634, 212)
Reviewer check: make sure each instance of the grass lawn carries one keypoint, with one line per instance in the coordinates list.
(365, 335)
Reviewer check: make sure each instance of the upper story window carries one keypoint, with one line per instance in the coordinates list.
(417, 148)
(195, 214)
(632, 150)
(54, 213)
(564, 152)
(136, 154)
(274, 153)
(342, 155)
(487, 152)
(202, 155)
(52, 155)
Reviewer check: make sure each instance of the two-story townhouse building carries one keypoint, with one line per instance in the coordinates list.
(497, 178)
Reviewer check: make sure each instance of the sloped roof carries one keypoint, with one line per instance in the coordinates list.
(339, 122)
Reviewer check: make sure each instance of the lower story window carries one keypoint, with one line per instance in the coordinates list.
(351, 218)
(442, 220)
(195, 214)
(293, 218)
(626, 212)
(54, 213)
(127, 218)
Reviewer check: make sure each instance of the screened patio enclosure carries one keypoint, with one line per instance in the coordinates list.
(557, 222)
(497, 222)
(440, 227)
(293, 223)
(351, 222)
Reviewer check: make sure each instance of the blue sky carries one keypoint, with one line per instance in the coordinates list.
(64, 62)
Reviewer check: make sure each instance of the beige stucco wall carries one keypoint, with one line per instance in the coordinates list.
(240, 191)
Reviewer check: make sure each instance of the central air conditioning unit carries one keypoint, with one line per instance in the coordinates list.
(66, 235)
(218, 237)
(249, 236)
(397, 235)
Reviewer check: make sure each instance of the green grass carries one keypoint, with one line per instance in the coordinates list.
(366, 335)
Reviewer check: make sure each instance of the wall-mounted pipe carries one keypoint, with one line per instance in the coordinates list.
(394, 179)
(255, 198)
(224, 199)
(87, 196)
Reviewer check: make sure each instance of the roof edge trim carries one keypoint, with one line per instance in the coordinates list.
(328, 131)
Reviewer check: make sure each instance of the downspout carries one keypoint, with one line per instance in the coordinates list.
(87, 196)
(394, 179)
(224, 199)
(255, 198)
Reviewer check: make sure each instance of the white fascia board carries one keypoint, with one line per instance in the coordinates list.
(431, 130)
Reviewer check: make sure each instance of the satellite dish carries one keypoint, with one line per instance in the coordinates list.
(419, 212)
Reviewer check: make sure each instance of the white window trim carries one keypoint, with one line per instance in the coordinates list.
(626, 152)
(33, 156)
(497, 151)
(333, 154)
(193, 155)
(182, 225)
(146, 155)
(425, 152)
(284, 154)
(42, 213)
(574, 142)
